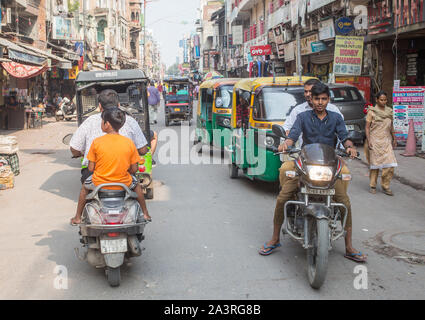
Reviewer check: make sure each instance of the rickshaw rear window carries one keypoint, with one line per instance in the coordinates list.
(226, 93)
(275, 104)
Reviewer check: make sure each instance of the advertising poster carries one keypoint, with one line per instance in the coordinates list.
(348, 55)
(62, 28)
(408, 103)
(362, 83)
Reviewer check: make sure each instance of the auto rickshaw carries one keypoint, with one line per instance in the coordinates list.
(178, 100)
(214, 111)
(131, 87)
(269, 101)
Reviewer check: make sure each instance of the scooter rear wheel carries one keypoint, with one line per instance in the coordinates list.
(114, 276)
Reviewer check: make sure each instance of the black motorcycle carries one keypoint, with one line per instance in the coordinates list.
(314, 220)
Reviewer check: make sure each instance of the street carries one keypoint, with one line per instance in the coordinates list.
(204, 239)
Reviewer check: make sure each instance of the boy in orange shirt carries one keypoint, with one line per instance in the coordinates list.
(112, 159)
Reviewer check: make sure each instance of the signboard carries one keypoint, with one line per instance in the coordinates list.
(316, 4)
(344, 25)
(408, 103)
(261, 50)
(348, 55)
(362, 83)
(306, 42)
(237, 32)
(279, 40)
(62, 28)
(327, 29)
(289, 51)
(318, 46)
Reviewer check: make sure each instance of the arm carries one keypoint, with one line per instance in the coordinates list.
(76, 153)
(133, 168)
(393, 135)
(137, 136)
(367, 128)
(78, 140)
(91, 166)
(294, 134)
(342, 134)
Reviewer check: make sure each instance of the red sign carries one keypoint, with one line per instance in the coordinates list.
(361, 83)
(261, 50)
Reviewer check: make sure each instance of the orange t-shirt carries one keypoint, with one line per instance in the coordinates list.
(113, 155)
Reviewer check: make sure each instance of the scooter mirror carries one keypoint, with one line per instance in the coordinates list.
(67, 139)
(279, 131)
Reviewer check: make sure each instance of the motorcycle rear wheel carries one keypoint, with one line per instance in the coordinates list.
(114, 276)
(317, 255)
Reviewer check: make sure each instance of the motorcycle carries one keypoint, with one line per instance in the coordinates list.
(67, 110)
(112, 228)
(314, 220)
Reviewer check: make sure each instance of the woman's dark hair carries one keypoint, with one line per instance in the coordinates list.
(311, 82)
(115, 117)
(319, 89)
(381, 93)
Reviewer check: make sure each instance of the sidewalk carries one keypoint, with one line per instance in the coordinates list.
(410, 170)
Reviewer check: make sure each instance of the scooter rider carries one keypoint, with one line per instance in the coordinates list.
(317, 126)
(91, 129)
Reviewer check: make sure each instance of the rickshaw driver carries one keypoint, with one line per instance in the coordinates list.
(242, 111)
(91, 129)
(306, 125)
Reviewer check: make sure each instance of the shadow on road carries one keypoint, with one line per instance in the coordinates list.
(60, 156)
(65, 184)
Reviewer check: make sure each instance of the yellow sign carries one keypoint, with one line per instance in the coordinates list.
(73, 72)
(306, 44)
(348, 56)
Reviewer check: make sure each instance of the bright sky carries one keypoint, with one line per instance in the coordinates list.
(170, 20)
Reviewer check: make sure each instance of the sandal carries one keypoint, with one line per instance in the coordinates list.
(388, 192)
(357, 257)
(271, 248)
(372, 190)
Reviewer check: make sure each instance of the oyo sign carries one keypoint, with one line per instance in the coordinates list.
(261, 50)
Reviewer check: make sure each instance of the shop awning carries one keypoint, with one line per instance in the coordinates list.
(71, 55)
(23, 71)
(17, 52)
(61, 62)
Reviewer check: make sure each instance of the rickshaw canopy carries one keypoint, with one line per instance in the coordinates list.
(111, 75)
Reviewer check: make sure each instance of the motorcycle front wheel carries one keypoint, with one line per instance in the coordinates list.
(317, 253)
(114, 276)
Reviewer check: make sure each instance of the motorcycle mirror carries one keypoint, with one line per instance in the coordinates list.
(67, 139)
(279, 131)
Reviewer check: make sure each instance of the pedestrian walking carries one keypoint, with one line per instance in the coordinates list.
(380, 143)
(153, 101)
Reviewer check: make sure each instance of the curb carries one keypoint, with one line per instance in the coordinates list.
(405, 181)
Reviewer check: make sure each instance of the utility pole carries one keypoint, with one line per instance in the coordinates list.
(144, 35)
(299, 64)
(225, 38)
(85, 32)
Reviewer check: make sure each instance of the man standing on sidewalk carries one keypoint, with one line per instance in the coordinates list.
(153, 101)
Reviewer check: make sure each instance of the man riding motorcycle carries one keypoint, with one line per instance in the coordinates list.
(317, 126)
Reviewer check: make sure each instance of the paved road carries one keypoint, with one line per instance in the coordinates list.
(204, 238)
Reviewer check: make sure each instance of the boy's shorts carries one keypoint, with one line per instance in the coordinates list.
(89, 185)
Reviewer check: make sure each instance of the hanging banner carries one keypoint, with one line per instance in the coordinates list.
(289, 51)
(73, 73)
(62, 28)
(23, 71)
(261, 50)
(348, 55)
(327, 29)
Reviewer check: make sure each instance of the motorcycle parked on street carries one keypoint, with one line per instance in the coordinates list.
(67, 110)
(314, 220)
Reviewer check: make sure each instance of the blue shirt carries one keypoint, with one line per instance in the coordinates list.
(315, 130)
(153, 96)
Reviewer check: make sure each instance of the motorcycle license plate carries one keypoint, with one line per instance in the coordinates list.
(113, 246)
(329, 192)
(176, 109)
(350, 127)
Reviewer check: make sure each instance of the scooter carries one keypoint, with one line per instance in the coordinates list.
(111, 230)
(67, 110)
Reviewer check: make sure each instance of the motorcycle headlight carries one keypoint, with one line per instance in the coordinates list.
(269, 141)
(319, 173)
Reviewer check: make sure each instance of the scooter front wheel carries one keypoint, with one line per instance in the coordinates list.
(114, 276)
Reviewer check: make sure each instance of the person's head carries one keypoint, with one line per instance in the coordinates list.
(320, 96)
(307, 88)
(112, 119)
(108, 98)
(381, 98)
(152, 83)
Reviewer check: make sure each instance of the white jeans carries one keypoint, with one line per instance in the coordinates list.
(153, 110)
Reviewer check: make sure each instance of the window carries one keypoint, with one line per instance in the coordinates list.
(345, 94)
(101, 25)
(226, 93)
(275, 104)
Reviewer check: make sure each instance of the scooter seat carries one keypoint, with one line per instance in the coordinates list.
(105, 193)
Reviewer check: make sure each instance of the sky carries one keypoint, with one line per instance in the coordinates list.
(165, 18)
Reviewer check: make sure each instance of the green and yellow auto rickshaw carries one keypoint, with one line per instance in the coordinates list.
(214, 110)
(268, 101)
